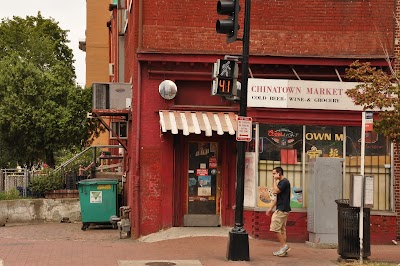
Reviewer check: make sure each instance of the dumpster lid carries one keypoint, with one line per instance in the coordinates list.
(98, 181)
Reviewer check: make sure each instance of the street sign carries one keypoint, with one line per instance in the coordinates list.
(244, 129)
(369, 121)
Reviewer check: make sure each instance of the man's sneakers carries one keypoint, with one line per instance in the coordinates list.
(282, 251)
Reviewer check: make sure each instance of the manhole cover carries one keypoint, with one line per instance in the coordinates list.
(160, 263)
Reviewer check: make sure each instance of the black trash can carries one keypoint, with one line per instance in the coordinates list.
(349, 228)
(70, 181)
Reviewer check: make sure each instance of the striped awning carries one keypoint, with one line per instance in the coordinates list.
(196, 122)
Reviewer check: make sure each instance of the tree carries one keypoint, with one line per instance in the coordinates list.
(42, 110)
(378, 90)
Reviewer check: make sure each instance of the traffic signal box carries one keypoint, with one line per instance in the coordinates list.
(230, 25)
(225, 74)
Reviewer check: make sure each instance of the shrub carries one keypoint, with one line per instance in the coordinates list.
(9, 195)
(45, 182)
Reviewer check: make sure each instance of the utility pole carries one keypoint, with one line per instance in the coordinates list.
(238, 246)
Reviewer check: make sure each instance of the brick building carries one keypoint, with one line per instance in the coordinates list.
(97, 48)
(181, 156)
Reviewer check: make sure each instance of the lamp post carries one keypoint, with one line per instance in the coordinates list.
(238, 246)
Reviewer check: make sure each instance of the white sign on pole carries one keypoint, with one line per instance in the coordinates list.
(369, 192)
(356, 184)
(249, 180)
(244, 130)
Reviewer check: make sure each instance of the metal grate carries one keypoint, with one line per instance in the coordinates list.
(101, 99)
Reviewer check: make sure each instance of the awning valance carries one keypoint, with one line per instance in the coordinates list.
(197, 122)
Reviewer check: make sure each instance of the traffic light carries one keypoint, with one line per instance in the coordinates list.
(230, 25)
(225, 75)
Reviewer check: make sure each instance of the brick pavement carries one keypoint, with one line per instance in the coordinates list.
(66, 244)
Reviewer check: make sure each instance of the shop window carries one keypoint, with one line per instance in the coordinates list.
(323, 141)
(120, 129)
(377, 162)
(292, 146)
(280, 145)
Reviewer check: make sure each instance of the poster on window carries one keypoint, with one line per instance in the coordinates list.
(204, 188)
(296, 197)
(265, 197)
(250, 171)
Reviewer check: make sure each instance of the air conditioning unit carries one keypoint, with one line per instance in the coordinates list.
(111, 96)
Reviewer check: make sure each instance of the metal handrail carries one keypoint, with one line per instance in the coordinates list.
(81, 153)
(71, 160)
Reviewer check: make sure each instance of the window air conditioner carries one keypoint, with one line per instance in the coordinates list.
(111, 96)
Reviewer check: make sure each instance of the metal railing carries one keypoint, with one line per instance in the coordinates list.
(17, 178)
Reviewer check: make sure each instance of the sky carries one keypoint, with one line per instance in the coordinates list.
(71, 15)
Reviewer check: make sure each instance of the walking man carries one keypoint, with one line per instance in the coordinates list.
(281, 187)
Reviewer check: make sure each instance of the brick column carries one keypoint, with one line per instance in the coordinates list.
(396, 158)
(396, 187)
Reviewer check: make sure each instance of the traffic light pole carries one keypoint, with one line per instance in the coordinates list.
(238, 246)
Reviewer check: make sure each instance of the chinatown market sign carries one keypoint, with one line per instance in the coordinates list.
(302, 94)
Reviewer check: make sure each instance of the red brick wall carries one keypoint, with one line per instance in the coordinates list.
(257, 226)
(397, 35)
(396, 185)
(319, 28)
(284, 27)
(156, 151)
(382, 229)
(61, 193)
(396, 188)
(152, 175)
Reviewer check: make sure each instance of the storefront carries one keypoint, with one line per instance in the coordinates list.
(296, 122)
(204, 165)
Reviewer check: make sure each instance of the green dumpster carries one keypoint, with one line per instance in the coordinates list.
(98, 200)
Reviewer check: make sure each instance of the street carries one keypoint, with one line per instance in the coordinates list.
(66, 244)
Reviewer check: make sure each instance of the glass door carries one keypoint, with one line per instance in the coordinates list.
(203, 185)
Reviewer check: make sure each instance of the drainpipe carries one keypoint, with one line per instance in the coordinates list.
(136, 185)
(140, 26)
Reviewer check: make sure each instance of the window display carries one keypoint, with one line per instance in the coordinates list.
(293, 146)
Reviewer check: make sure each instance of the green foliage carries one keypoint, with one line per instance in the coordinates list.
(49, 180)
(380, 91)
(10, 195)
(85, 159)
(41, 108)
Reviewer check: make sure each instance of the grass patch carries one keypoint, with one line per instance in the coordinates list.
(10, 195)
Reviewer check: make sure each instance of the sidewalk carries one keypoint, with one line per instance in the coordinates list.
(66, 244)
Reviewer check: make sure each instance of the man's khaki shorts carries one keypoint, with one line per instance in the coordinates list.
(278, 221)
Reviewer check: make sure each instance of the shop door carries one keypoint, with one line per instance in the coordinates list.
(203, 185)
